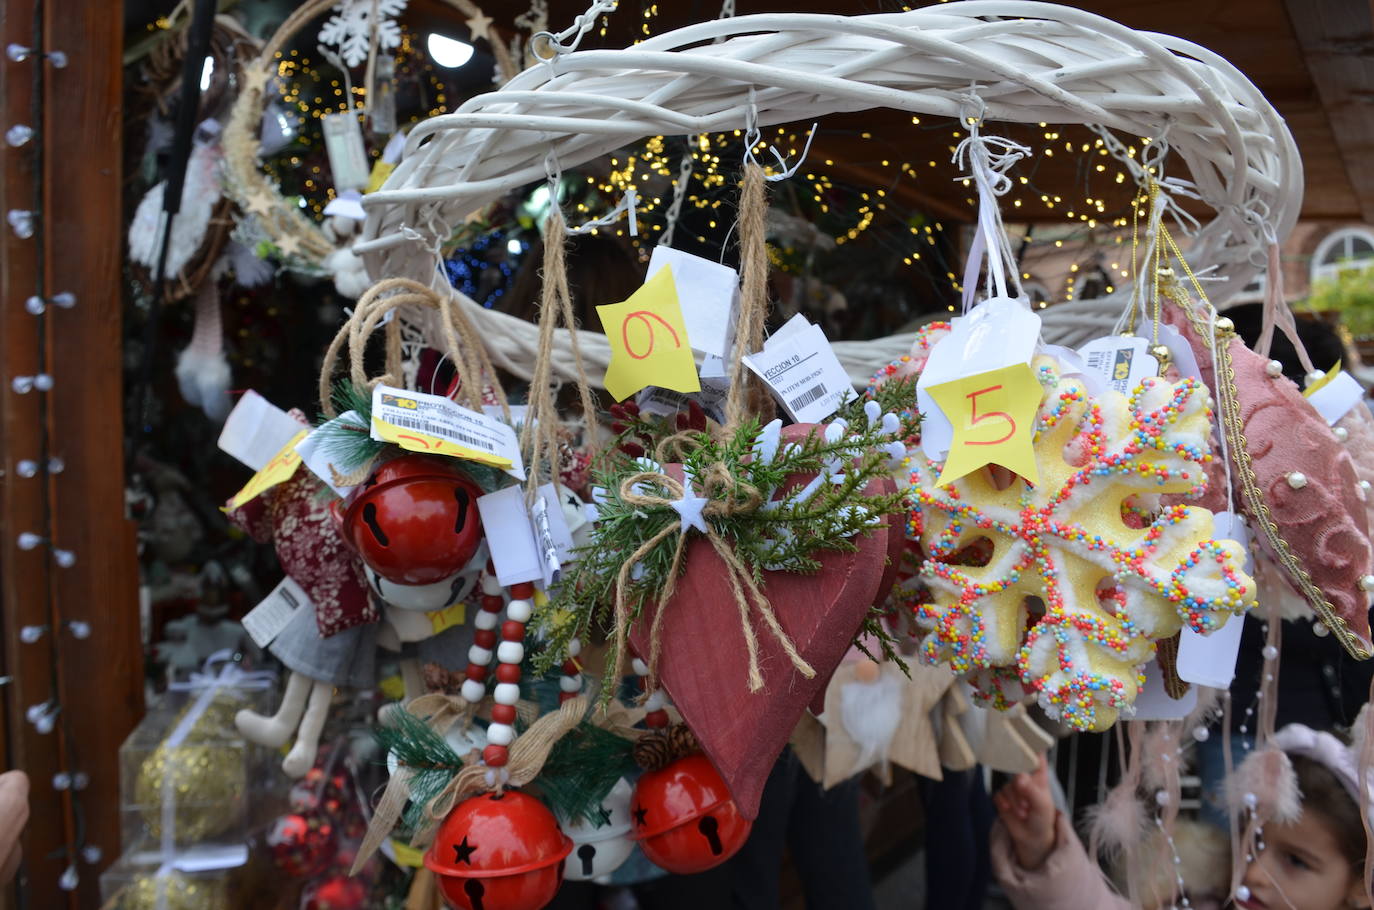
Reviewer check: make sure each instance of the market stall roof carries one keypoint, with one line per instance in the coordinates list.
(1313, 59)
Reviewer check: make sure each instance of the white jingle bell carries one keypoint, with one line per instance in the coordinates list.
(602, 845)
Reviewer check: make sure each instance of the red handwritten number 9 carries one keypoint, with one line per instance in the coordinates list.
(975, 418)
(645, 316)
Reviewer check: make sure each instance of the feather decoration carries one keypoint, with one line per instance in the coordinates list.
(199, 196)
(248, 269)
(1265, 783)
(1118, 822)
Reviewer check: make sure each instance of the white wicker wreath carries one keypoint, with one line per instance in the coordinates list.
(1027, 61)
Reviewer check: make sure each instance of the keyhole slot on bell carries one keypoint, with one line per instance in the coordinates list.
(370, 518)
(586, 853)
(710, 829)
(462, 496)
(475, 890)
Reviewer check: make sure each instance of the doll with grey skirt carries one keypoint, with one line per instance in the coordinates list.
(415, 527)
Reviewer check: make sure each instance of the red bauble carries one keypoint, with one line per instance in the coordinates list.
(338, 892)
(302, 844)
(684, 817)
(499, 852)
(414, 521)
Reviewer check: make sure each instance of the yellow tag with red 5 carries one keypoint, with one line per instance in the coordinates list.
(993, 415)
(278, 470)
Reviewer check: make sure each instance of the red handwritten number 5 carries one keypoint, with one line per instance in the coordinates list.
(975, 418)
(644, 316)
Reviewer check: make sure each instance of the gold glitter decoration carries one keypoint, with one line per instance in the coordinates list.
(180, 892)
(206, 774)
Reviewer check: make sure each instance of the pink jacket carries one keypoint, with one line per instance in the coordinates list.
(1067, 880)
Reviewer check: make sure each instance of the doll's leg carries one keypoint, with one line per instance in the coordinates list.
(274, 731)
(412, 677)
(302, 755)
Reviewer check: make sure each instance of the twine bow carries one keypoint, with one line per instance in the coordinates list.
(726, 496)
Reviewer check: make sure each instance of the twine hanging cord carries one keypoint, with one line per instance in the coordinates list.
(726, 494)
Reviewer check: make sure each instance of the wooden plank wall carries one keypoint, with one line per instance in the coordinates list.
(78, 250)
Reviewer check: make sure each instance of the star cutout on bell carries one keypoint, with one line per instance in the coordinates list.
(640, 820)
(480, 26)
(603, 816)
(462, 853)
(689, 508)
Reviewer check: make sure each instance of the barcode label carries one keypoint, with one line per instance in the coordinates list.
(802, 371)
(436, 429)
(815, 393)
(265, 621)
(431, 423)
(1122, 360)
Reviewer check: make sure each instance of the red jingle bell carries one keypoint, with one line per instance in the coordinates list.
(302, 844)
(684, 817)
(499, 851)
(414, 520)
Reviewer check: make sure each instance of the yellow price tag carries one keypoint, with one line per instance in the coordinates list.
(448, 617)
(993, 415)
(406, 855)
(278, 470)
(380, 171)
(1317, 386)
(415, 441)
(648, 340)
(393, 687)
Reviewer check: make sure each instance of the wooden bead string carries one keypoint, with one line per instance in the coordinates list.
(570, 683)
(509, 652)
(655, 702)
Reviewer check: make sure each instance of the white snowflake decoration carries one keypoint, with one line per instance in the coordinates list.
(350, 28)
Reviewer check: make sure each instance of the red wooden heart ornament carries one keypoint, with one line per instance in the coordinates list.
(703, 662)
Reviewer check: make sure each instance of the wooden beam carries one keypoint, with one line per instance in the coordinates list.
(75, 111)
(1337, 41)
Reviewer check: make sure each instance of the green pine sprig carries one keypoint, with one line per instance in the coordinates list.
(581, 770)
(431, 760)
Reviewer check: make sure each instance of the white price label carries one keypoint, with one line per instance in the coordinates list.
(804, 374)
(1123, 360)
(708, 293)
(265, 621)
(343, 143)
(256, 430)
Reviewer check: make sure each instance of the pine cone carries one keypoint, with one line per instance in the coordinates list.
(683, 741)
(654, 751)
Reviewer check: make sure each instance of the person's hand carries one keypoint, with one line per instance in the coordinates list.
(1026, 808)
(14, 814)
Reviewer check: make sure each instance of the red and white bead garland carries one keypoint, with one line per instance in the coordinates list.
(570, 683)
(509, 653)
(655, 704)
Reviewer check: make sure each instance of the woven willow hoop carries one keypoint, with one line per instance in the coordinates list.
(247, 184)
(1052, 63)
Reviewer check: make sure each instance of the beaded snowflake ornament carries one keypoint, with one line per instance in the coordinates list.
(1062, 588)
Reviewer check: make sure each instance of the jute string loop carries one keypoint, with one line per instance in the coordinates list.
(527, 756)
(753, 253)
(540, 433)
(461, 342)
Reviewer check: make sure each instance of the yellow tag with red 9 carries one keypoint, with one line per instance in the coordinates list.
(278, 470)
(993, 416)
